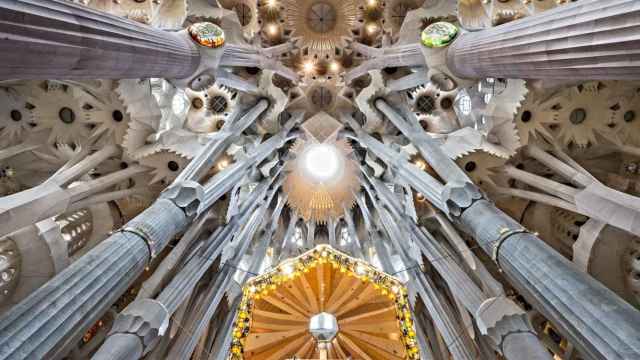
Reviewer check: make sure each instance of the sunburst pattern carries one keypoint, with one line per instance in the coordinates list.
(534, 118)
(582, 113)
(481, 168)
(321, 25)
(371, 309)
(320, 200)
(15, 117)
(60, 109)
(625, 119)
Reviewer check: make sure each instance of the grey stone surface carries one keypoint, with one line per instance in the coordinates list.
(142, 322)
(458, 196)
(600, 323)
(53, 318)
(578, 41)
(158, 224)
(187, 195)
(62, 40)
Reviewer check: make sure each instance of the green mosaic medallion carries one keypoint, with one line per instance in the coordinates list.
(439, 34)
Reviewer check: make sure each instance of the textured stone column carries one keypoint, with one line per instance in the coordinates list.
(140, 326)
(62, 40)
(600, 323)
(588, 39)
(597, 321)
(497, 318)
(51, 319)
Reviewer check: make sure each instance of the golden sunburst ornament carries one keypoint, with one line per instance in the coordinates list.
(369, 312)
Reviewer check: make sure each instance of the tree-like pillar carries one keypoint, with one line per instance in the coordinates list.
(48, 322)
(61, 40)
(600, 323)
(588, 39)
(498, 318)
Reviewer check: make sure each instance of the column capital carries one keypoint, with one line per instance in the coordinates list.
(147, 319)
(459, 196)
(187, 195)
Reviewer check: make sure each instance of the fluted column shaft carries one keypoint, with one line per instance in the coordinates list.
(51, 319)
(597, 321)
(61, 40)
(600, 323)
(588, 39)
(466, 291)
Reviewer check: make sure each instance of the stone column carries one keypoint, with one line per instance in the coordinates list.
(48, 322)
(139, 327)
(588, 39)
(600, 323)
(498, 318)
(62, 40)
(597, 321)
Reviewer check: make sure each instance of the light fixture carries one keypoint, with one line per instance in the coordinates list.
(308, 66)
(272, 3)
(371, 28)
(272, 30)
(223, 164)
(323, 327)
(288, 269)
(321, 162)
(334, 66)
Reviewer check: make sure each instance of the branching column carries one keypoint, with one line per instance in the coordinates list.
(51, 319)
(588, 39)
(600, 323)
(62, 40)
(498, 317)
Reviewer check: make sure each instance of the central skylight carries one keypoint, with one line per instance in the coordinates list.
(321, 162)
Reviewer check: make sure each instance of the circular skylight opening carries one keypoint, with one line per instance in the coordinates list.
(321, 162)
